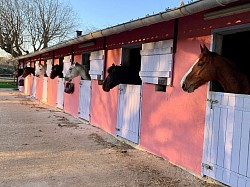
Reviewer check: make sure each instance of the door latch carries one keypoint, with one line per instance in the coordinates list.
(212, 102)
(207, 166)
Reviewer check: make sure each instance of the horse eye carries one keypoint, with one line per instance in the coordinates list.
(200, 64)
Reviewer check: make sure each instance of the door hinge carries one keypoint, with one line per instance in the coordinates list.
(207, 166)
(117, 129)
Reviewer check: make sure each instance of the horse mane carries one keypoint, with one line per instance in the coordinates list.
(229, 62)
(121, 69)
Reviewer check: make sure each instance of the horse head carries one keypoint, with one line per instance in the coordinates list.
(18, 72)
(40, 70)
(27, 71)
(120, 75)
(75, 70)
(113, 78)
(56, 71)
(202, 71)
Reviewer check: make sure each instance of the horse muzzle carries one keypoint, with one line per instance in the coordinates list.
(188, 88)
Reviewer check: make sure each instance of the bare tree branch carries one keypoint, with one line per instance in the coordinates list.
(34, 22)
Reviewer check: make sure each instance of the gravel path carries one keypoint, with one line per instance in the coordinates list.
(41, 146)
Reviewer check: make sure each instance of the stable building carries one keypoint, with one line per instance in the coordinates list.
(210, 139)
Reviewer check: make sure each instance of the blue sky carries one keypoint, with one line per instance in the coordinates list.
(101, 14)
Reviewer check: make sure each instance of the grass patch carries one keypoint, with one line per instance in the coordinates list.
(8, 85)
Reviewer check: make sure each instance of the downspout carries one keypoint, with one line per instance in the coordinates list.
(72, 54)
(176, 26)
(105, 59)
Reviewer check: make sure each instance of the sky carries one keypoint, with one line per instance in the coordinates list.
(100, 14)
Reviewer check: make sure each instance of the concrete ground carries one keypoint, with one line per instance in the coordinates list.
(41, 146)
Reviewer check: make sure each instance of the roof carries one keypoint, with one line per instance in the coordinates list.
(192, 8)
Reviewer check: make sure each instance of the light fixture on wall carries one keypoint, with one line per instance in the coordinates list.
(227, 12)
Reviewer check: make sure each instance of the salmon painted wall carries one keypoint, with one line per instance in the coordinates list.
(103, 111)
(172, 123)
(39, 85)
(29, 84)
(71, 101)
(52, 88)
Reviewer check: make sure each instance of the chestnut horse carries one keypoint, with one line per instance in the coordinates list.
(77, 69)
(120, 75)
(211, 66)
(56, 71)
(27, 71)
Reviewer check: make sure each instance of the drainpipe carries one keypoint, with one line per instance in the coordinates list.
(105, 57)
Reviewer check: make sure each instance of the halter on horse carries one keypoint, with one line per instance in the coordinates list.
(27, 71)
(211, 66)
(40, 70)
(56, 71)
(75, 70)
(120, 75)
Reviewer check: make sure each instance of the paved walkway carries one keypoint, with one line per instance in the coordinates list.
(42, 147)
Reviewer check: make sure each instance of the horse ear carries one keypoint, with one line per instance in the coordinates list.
(205, 49)
(201, 48)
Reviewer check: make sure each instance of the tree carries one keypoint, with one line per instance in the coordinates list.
(49, 20)
(38, 22)
(12, 26)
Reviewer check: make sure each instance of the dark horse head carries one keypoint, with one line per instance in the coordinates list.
(56, 71)
(27, 71)
(120, 75)
(18, 72)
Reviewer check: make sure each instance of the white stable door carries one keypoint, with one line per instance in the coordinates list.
(84, 99)
(129, 112)
(45, 89)
(226, 154)
(60, 93)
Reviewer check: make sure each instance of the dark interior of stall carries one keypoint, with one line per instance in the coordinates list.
(235, 47)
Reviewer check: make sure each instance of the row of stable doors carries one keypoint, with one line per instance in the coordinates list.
(129, 105)
(226, 152)
(85, 94)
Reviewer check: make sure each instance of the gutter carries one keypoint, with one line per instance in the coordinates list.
(189, 9)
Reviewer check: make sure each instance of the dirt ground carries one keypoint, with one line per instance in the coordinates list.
(41, 146)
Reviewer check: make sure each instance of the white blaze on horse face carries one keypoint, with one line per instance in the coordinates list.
(190, 69)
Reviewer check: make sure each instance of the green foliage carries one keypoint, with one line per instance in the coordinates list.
(8, 85)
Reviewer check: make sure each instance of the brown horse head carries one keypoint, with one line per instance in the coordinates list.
(210, 66)
(121, 75)
(202, 71)
(56, 71)
(27, 71)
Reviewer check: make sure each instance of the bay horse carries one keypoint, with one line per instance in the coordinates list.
(27, 71)
(120, 75)
(57, 70)
(40, 70)
(210, 66)
(18, 72)
(77, 69)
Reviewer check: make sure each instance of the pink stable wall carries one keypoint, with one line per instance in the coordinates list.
(103, 111)
(52, 88)
(29, 84)
(71, 101)
(172, 123)
(39, 85)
